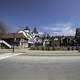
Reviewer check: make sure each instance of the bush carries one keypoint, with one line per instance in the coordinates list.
(72, 48)
(51, 48)
(46, 48)
(37, 48)
(32, 48)
(41, 47)
(68, 48)
(77, 48)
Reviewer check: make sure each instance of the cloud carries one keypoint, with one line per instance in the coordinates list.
(40, 33)
(60, 29)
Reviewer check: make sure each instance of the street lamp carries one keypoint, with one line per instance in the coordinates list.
(14, 39)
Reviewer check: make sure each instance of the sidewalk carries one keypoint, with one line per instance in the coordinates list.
(25, 52)
(49, 53)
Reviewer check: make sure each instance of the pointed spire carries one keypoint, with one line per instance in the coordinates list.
(35, 30)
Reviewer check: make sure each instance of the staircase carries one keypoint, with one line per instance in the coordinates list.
(4, 42)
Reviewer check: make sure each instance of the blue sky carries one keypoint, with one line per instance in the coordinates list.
(51, 16)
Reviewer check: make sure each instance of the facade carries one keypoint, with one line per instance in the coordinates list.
(16, 39)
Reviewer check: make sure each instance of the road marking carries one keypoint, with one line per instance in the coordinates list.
(7, 55)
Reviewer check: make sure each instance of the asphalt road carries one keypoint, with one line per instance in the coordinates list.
(40, 68)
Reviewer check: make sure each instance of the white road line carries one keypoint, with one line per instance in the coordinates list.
(7, 55)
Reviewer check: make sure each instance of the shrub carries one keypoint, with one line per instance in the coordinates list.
(77, 48)
(37, 48)
(51, 48)
(46, 48)
(40, 47)
(68, 48)
(72, 48)
(32, 48)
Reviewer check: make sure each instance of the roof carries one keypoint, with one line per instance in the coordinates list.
(13, 35)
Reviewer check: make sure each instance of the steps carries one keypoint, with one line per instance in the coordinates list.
(4, 42)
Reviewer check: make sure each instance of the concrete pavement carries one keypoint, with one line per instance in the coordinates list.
(40, 68)
(50, 53)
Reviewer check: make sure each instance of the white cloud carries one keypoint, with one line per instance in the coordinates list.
(61, 29)
(41, 33)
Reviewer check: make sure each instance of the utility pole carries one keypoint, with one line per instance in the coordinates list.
(13, 41)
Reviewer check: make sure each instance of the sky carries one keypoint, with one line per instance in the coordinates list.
(56, 17)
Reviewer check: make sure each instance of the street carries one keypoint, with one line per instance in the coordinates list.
(40, 68)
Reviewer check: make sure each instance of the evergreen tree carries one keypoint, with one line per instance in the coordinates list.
(3, 28)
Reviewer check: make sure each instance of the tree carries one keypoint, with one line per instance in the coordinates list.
(3, 28)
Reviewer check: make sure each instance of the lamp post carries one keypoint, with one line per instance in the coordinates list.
(13, 41)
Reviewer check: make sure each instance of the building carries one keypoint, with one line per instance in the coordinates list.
(77, 36)
(24, 38)
(16, 39)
